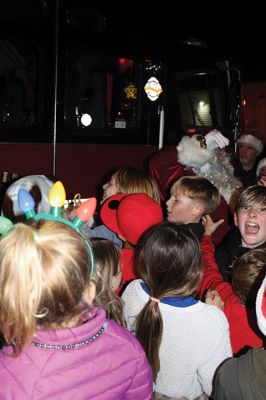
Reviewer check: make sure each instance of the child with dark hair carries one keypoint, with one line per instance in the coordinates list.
(185, 340)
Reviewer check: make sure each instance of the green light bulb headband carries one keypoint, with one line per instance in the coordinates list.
(57, 197)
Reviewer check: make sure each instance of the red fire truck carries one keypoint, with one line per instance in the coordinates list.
(77, 99)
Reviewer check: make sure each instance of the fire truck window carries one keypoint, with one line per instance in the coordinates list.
(100, 90)
(85, 89)
(123, 93)
(198, 100)
(19, 92)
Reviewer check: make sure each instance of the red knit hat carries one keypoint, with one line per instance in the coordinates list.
(131, 215)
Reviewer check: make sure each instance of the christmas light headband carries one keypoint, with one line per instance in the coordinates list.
(57, 197)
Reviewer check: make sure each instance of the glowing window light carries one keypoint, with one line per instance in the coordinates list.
(153, 89)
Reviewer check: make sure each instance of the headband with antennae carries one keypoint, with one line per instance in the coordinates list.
(57, 197)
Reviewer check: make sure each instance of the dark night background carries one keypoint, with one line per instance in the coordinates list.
(235, 32)
(238, 35)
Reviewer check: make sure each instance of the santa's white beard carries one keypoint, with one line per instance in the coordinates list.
(205, 163)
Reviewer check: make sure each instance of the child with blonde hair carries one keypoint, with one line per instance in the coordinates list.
(192, 197)
(131, 180)
(126, 180)
(57, 344)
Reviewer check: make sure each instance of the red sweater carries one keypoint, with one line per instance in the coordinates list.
(241, 334)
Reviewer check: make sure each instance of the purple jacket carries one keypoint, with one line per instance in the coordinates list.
(111, 365)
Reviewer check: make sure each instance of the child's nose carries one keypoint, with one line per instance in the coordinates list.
(253, 212)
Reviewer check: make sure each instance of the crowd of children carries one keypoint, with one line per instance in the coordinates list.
(141, 305)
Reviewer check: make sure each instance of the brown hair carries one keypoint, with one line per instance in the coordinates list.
(252, 196)
(248, 272)
(132, 180)
(198, 188)
(169, 262)
(106, 267)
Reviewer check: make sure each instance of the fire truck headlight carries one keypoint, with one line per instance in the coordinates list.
(85, 119)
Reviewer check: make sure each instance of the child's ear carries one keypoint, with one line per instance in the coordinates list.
(89, 293)
(116, 280)
(199, 209)
(235, 219)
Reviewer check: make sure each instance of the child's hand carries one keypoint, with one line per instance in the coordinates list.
(210, 226)
(213, 298)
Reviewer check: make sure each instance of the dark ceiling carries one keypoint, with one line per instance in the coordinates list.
(227, 34)
(238, 35)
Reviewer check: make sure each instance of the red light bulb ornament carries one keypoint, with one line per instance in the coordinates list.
(84, 212)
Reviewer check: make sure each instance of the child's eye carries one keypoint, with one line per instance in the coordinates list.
(260, 210)
(245, 208)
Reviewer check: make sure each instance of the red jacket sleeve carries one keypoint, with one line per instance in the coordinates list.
(212, 279)
(241, 333)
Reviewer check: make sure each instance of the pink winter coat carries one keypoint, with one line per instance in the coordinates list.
(111, 365)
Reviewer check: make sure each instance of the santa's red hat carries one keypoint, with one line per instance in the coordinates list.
(261, 307)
